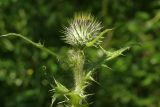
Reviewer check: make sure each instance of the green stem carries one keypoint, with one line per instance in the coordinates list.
(78, 71)
(38, 45)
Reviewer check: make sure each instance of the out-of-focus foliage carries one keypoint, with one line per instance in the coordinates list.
(26, 72)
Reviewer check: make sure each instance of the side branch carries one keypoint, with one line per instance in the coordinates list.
(38, 45)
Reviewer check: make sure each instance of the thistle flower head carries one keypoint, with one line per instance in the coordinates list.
(82, 29)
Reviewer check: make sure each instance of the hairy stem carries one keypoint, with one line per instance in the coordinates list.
(78, 71)
(77, 58)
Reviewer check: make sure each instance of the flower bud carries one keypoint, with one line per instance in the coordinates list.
(82, 29)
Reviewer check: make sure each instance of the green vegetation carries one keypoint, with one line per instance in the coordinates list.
(26, 73)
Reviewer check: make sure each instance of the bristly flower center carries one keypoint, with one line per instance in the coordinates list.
(82, 29)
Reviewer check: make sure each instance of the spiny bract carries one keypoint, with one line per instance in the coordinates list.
(82, 29)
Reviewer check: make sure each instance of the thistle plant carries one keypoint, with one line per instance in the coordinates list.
(83, 32)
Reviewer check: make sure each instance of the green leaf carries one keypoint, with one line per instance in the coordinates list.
(97, 38)
(54, 97)
(112, 55)
(60, 89)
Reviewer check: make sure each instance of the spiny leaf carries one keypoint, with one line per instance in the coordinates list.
(89, 77)
(75, 98)
(97, 38)
(60, 89)
(112, 55)
(54, 97)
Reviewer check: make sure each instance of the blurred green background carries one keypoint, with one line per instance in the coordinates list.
(26, 72)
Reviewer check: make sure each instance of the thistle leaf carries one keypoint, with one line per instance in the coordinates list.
(112, 55)
(60, 89)
(54, 97)
(89, 44)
